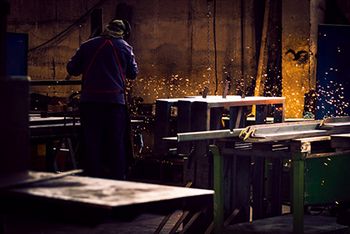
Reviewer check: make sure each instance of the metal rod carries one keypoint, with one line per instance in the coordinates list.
(208, 135)
(4, 11)
(330, 154)
(294, 130)
(269, 132)
(259, 81)
(242, 52)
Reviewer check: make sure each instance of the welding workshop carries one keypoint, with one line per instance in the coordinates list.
(161, 116)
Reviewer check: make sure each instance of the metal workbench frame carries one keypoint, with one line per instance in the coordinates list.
(299, 151)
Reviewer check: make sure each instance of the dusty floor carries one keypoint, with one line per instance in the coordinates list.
(283, 225)
(146, 223)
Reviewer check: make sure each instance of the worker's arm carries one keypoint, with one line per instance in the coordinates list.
(74, 65)
(131, 68)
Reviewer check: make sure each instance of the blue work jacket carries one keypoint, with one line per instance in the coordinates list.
(104, 63)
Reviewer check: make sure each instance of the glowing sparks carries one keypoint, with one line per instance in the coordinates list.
(332, 99)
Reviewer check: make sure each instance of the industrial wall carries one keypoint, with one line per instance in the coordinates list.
(173, 40)
(181, 46)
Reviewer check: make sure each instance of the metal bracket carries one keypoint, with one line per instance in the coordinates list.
(246, 133)
(305, 147)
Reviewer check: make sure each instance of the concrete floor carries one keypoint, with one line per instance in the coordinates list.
(143, 224)
(284, 225)
(148, 223)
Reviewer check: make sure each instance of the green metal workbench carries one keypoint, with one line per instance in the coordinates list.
(319, 167)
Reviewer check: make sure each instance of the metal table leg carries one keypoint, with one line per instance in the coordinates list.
(298, 192)
(218, 188)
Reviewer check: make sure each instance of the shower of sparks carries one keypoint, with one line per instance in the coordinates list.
(147, 89)
(153, 87)
(333, 96)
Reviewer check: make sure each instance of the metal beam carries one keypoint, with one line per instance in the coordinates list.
(294, 130)
(272, 132)
(206, 135)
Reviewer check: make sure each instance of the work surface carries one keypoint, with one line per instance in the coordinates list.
(53, 127)
(105, 195)
(218, 101)
(108, 193)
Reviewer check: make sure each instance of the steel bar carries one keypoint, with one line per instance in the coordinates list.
(339, 119)
(4, 11)
(176, 226)
(288, 131)
(259, 137)
(190, 222)
(208, 135)
(330, 154)
(271, 132)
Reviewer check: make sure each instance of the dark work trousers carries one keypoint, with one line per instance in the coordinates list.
(104, 128)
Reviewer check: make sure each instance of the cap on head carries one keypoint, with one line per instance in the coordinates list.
(116, 28)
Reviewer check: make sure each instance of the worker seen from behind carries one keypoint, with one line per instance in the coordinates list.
(105, 62)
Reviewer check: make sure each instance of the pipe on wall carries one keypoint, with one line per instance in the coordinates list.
(4, 11)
